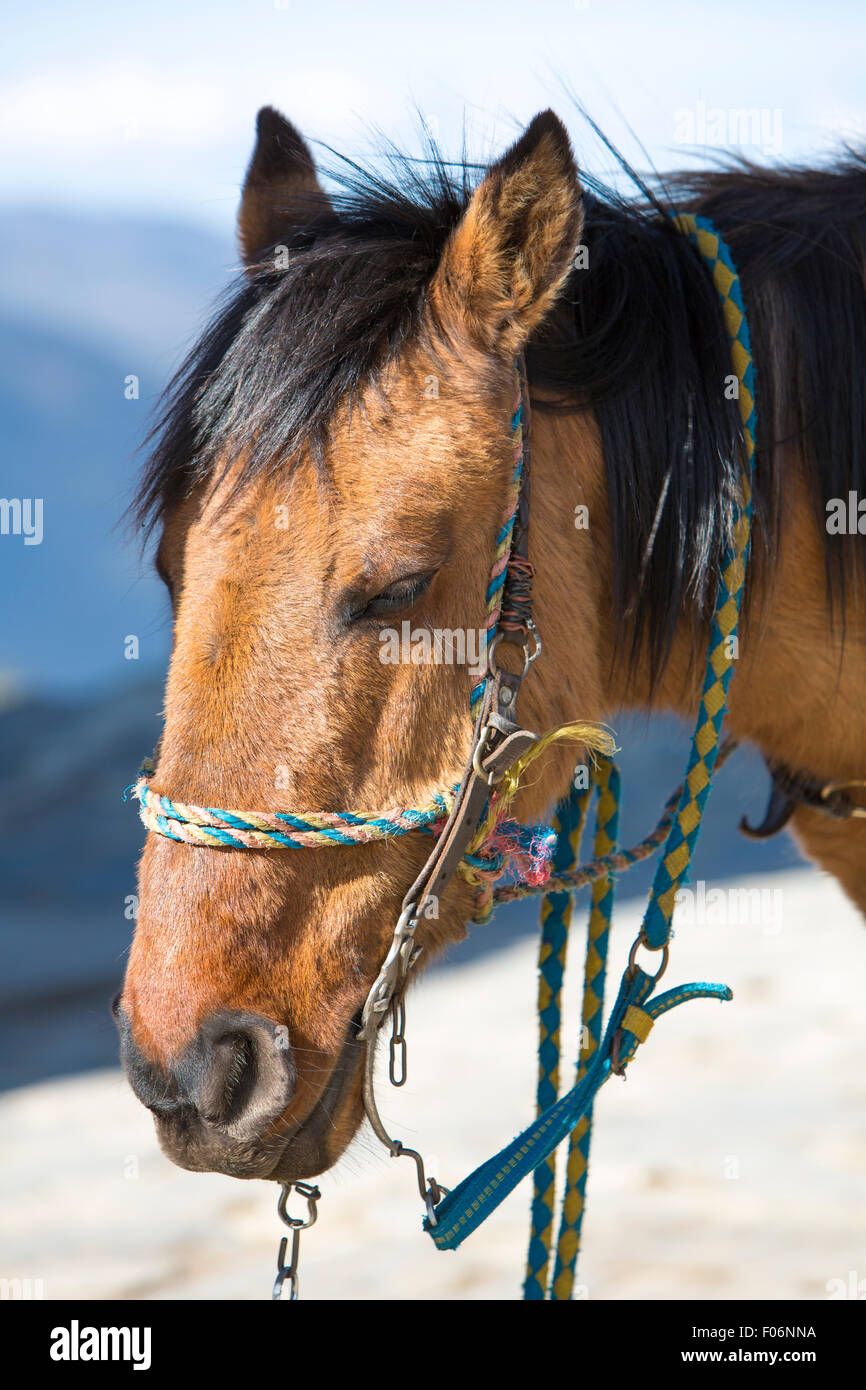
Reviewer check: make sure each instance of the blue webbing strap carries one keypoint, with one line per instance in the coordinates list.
(472, 1201)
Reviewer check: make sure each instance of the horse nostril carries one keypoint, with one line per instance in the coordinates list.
(238, 1071)
(237, 1074)
(228, 1079)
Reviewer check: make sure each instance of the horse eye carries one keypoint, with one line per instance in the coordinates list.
(401, 594)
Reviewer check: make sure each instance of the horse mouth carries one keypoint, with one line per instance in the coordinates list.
(315, 1142)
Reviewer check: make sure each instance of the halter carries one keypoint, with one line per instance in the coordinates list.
(474, 836)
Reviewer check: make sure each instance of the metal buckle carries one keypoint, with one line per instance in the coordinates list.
(831, 788)
(477, 767)
(528, 657)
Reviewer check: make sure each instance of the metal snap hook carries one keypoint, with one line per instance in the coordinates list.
(296, 1224)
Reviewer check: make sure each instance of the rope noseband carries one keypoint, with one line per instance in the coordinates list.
(473, 835)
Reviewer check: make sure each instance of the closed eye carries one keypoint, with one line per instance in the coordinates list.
(400, 595)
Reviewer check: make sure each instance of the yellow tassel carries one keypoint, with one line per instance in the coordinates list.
(595, 738)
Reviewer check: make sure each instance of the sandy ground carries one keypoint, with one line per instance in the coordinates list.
(731, 1163)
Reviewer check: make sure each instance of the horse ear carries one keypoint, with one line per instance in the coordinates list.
(281, 190)
(508, 257)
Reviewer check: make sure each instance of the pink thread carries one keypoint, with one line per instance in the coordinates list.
(524, 850)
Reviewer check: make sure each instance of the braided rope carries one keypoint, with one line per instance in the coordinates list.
(533, 851)
(592, 1009)
(556, 909)
(206, 825)
(673, 866)
(502, 555)
(570, 880)
(678, 828)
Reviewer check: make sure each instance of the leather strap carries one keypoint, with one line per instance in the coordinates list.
(505, 743)
(789, 790)
(515, 617)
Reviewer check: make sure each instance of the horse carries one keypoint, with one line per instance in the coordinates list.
(331, 464)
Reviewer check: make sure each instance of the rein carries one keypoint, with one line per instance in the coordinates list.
(474, 836)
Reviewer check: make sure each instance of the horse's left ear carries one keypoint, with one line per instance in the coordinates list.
(508, 257)
(281, 190)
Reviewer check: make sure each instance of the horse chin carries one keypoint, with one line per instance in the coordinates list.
(316, 1143)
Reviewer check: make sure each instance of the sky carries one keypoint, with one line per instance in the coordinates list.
(149, 107)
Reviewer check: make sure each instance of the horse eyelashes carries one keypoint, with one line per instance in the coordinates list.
(401, 594)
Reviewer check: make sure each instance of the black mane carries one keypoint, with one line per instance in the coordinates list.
(637, 337)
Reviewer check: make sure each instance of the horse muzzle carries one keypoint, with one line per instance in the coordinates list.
(224, 1106)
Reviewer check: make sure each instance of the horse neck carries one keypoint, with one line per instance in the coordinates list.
(584, 672)
(798, 677)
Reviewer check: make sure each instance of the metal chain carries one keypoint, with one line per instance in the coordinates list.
(388, 994)
(296, 1224)
(398, 1068)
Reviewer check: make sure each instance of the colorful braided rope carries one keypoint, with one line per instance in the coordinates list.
(607, 781)
(206, 825)
(493, 597)
(674, 864)
(556, 909)
(677, 830)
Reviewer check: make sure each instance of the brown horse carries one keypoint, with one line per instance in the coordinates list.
(333, 461)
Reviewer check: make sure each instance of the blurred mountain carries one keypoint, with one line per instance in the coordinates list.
(68, 848)
(133, 287)
(85, 304)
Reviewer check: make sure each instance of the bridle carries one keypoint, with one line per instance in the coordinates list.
(467, 821)
(498, 742)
